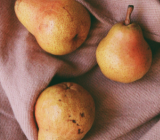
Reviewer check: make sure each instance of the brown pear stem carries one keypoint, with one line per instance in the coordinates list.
(128, 15)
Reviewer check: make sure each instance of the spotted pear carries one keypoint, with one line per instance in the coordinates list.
(64, 111)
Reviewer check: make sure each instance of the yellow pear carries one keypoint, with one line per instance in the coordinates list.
(64, 111)
(59, 26)
(124, 55)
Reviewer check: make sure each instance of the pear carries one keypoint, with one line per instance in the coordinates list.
(124, 55)
(59, 26)
(65, 111)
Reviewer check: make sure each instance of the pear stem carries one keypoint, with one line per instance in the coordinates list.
(128, 15)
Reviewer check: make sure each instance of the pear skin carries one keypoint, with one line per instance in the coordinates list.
(59, 26)
(124, 55)
(64, 111)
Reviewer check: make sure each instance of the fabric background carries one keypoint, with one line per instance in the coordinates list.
(123, 111)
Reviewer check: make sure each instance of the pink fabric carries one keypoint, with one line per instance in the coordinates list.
(123, 111)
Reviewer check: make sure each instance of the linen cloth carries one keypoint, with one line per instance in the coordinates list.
(123, 111)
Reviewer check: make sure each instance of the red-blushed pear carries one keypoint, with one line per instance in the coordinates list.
(124, 55)
(65, 111)
(59, 26)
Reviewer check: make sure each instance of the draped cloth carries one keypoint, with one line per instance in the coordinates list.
(123, 111)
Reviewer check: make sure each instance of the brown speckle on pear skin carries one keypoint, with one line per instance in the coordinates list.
(80, 131)
(82, 114)
(74, 121)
